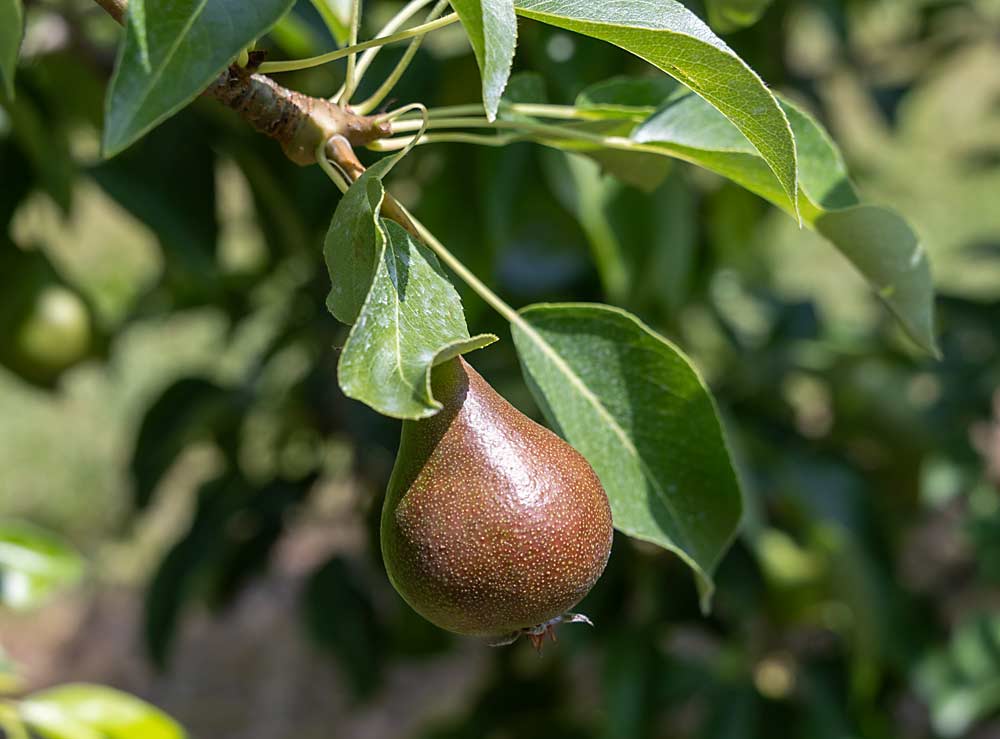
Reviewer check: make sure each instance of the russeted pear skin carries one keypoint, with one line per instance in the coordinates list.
(491, 522)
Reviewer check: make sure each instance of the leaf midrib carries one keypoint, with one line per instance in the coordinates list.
(169, 57)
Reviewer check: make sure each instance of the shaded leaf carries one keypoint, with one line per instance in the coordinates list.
(340, 616)
(672, 38)
(35, 565)
(46, 146)
(80, 711)
(189, 43)
(11, 29)
(167, 181)
(230, 539)
(189, 410)
(582, 190)
(635, 407)
(412, 319)
(492, 29)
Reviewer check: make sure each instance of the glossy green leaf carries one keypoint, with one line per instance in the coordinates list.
(80, 711)
(34, 565)
(492, 29)
(11, 29)
(671, 37)
(732, 15)
(411, 320)
(353, 242)
(635, 407)
(189, 43)
(877, 241)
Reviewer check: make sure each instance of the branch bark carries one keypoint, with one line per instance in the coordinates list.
(298, 122)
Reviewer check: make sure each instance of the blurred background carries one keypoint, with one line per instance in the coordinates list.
(168, 402)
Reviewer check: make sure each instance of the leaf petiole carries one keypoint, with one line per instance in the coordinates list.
(314, 61)
(400, 69)
(408, 11)
(350, 80)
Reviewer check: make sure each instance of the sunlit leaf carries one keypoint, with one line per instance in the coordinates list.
(492, 29)
(635, 407)
(672, 38)
(80, 711)
(189, 43)
(35, 565)
(411, 320)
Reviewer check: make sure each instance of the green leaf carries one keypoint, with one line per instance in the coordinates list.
(188, 411)
(877, 241)
(732, 15)
(961, 682)
(635, 407)
(492, 29)
(353, 243)
(635, 98)
(34, 565)
(411, 320)
(580, 188)
(11, 29)
(45, 143)
(642, 243)
(189, 43)
(341, 616)
(669, 36)
(137, 23)
(80, 711)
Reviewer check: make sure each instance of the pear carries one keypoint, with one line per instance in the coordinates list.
(492, 526)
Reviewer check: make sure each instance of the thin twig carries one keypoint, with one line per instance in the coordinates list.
(114, 8)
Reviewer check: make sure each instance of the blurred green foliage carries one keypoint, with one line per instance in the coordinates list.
(860, 600)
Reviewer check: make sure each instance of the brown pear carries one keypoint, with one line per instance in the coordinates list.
(493, 526)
